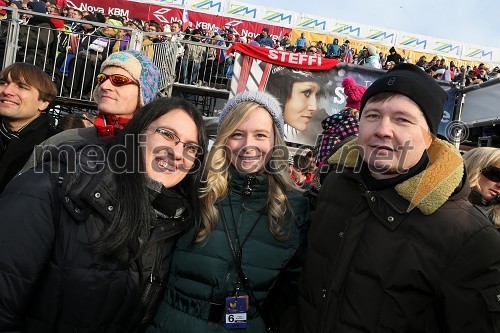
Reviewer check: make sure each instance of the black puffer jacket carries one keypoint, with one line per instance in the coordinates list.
(50, 280)
(376, 265)
(14, 153)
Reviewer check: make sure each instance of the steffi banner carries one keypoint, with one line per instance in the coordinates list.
(308, 96)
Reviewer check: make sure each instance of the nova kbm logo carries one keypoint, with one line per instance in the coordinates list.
(311, 23)
(160, 15)
(277, 17)
(208, 5)
(241, 10)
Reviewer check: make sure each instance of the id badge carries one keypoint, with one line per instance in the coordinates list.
(236, 312)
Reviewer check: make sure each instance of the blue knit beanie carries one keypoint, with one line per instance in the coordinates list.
(140, 68)
(264, 99)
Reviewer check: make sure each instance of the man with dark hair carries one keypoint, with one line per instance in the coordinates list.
(25, 92)
(262, 35)
(394, 245)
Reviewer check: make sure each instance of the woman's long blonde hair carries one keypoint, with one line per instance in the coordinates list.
(217, 176)
(476, 160)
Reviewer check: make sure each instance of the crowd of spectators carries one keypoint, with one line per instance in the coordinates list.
(76, 52)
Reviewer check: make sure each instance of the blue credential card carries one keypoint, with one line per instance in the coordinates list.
(236, 312)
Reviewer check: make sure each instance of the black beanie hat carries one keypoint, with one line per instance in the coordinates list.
(414, 83)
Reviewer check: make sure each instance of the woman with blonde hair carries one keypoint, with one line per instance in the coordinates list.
(240, 269)
(483, 172)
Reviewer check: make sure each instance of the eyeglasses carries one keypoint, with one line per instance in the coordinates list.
(492, 173)
(191, 149)
(313, 51)
(117, 80)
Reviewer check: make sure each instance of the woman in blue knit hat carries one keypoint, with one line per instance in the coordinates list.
(127, 81)
(239, 270)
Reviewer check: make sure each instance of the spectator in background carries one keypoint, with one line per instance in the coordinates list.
(70, 121)
(340, 126)
(296, 175)
(89, 60)
(154, 27)
(313, 51)
(483, 172)
(360, 58)
(36, 40)
(346, 53)
(394, 56)
(422, 63)
(285, 42)
(373, 59)
(333, 50)
(438, 75)
(193, 55)
(265, 40)
(389, 65)
(321, 47)
(264, 34)
(301, 42)
(482, 75)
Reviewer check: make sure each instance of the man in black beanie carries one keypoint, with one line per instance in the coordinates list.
(394, 245)
(394, 56)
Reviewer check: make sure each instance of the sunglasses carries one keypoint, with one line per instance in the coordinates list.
(492, 173)
(117, 80)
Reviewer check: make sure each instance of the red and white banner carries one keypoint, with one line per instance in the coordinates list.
(285, 58)
(307, 96)
(168, 14)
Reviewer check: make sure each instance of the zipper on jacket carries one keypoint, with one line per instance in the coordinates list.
(247, 191)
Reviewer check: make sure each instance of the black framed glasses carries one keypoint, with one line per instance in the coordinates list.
(492, 173)
(191, 149)
(117, 80)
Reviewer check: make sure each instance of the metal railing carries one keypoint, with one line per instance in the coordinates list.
(73, 59)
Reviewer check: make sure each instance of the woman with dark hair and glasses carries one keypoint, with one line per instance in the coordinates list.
(483, 172)
(92, 251)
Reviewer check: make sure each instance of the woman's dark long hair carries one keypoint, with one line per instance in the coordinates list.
(281, 80)
(133, 219)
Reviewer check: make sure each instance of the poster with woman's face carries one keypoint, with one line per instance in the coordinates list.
(307, 97)
(302, 94)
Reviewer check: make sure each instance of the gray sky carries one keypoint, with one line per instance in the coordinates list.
(466, 21)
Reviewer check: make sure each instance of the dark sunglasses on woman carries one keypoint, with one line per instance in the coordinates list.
(492, 173)
(117, 80)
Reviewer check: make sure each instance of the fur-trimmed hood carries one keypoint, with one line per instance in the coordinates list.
(429, 189)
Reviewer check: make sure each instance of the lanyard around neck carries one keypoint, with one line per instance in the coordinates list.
(236, 249)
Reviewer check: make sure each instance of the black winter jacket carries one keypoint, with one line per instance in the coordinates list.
(50, 280)
(15, 152)
(416, 257)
